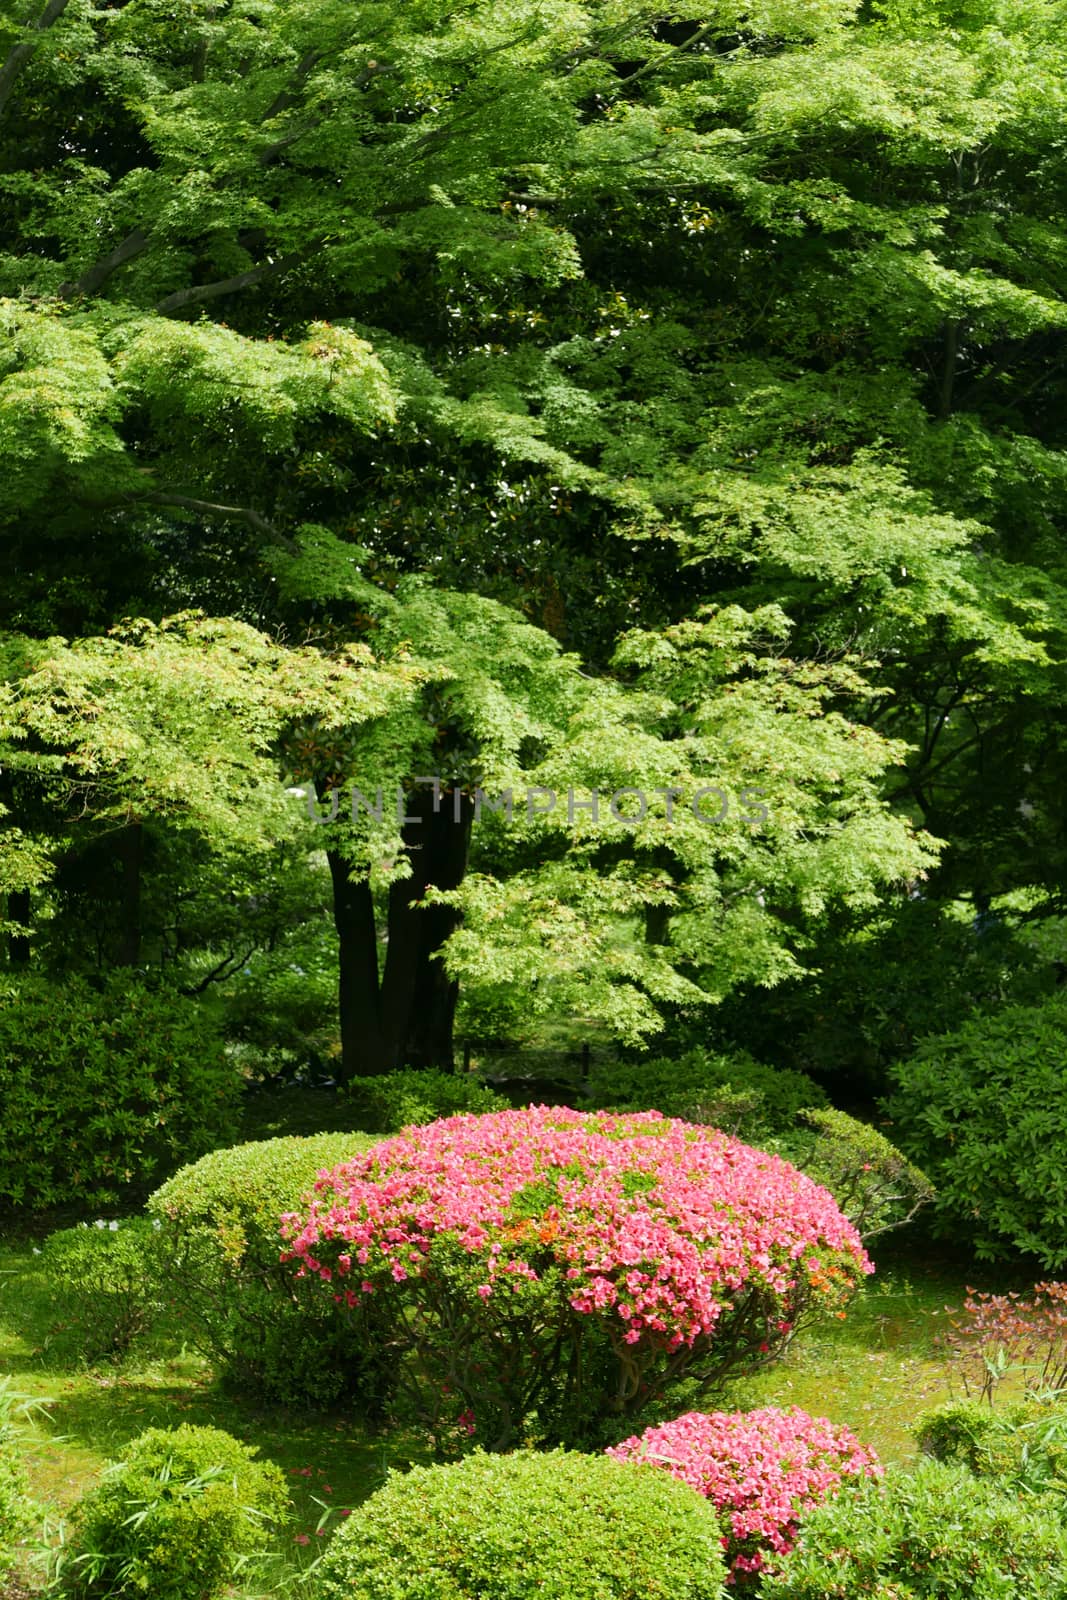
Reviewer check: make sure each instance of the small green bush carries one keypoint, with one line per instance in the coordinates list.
(876, 1186)
(175, 1519)
(1023, 1447)
(16, 1508)
(104, 1282)
(521, 1526)
(983, 1111)
(937, 1532)
(396, 1100)
(104, 1087)
(733, 1092)
(266, 1330)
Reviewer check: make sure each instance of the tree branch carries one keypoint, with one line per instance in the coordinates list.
(219, 973)
(21, 53)
(185, 502)
(199, 292)
(94, 277)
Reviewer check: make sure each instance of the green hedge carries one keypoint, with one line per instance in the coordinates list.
(105, 1088)
(983, 1111)
(105, 1284)
(527, 1527)
(265, 1330)
(734, 1092)
(395, 1100)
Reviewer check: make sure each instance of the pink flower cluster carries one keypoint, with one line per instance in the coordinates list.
(761, 1469)
(655, 1222)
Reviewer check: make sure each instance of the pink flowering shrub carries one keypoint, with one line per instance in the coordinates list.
(761, 1469)
(547, 1267)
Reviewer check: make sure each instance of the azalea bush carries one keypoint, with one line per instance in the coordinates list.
(935, 1532)
(876, 1186)
(105, 1282)
(526, 1527)
(105, 1087)
(983, 1111)
(392, 1100)
(220, 1239)
(761, 1469)
(731, 1091)
(542, 1271)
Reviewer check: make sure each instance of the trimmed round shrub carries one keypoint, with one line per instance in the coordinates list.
(104, 1280)
(983, 1111)
(545, 1269)
(876, 1186)
(239, 1305)
(16, 1508)
(936, 1532)
(395, 1100)
(175, 1518)
(762, 1471)
(104, 1088)
(735, 1092)
(525, 1527)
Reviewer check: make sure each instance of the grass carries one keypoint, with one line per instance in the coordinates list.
(876, 1372)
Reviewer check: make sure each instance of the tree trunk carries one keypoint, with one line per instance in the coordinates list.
(407, 1019)
(362, 1045)
(419, 999)
(433, 1007)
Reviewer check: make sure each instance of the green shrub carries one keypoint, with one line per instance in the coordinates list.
(104, 1087)
(876, 1186)
(733, 1092)
(104, 1282)
(16, 1508)
(937, 1532)
(1023, 1447)
(511, 1527)
(265, 1330)
(395, 1100)
(175, 1518)
(983, 1111)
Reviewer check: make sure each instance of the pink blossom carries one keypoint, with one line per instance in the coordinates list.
(763, 1469)
(711, 1220)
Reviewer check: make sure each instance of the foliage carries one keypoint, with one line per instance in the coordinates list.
(734, 1092)
(103, 1085)
(762, 1470)
(876, 1187)
(550, 1268)
(935, 1531)
(105, 1284)
(16, 1509)
(875, 984)
(983, 1111)
(1023, 1446)
(278, 1007)
(1001, 1336)
(221, 1241)
(393, 1100)
(519, 1526)
(178, 1515)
